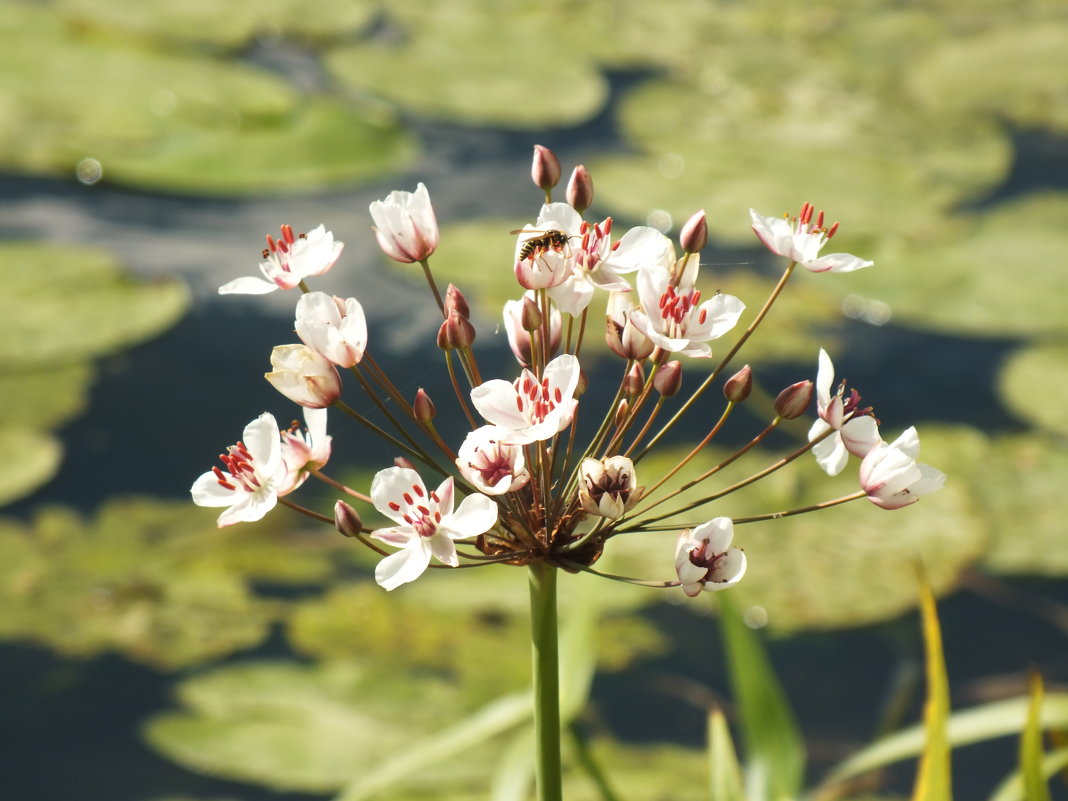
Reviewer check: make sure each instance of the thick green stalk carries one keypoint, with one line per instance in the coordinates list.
(543, 640)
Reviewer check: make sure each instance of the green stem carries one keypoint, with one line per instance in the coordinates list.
(546, 678)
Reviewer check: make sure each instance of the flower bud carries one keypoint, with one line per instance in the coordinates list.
(545, 171)
(530, 316)
(401, 461)
(793, 401)
(634, 381)
(580, 189)
(623, 337)
(423, 408)
(347, 520)
(405, 225)
(456, 331)
(304, 376)
(668, 379)
(455, 301)
(694, 234)
(621, 413)
(582, 385)
(609, 487)
(739, 385)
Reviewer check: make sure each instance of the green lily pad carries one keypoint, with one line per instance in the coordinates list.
(156, 582)
(310, 728)
(323, 143)
(227, 25)
(44, 396)
(1032, 383)
(63, 305)
(844, 566)
(456, 62)
(1014, 72)
(31, 458)
(1017, 487)
(1000, 275)
(812, 140)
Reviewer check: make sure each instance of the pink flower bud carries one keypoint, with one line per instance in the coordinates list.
(668, 379)
(621, 413)
(423, 408)
(694, 234)
(456, 331)
(634, 381)
(455, 301)
(304, 376)
(546, 168)
(793, 401)
(739, 385)
(530, 317)
(580, 189)
(347, 520)
(401, 461)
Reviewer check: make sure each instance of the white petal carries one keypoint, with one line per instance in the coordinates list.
(261, 438)
(642, 247)
(837, 263)
(830, 453)
(389, 486)
(824, 380)
(495, 400)
(403, 566)
(475, 515)
(443, 549)
(775, 232)
(249, 285)
(250, 509)
(719, 532)
(207, 491)
(860, 435)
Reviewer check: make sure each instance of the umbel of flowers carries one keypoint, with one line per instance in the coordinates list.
(525, 484)
(521, 486)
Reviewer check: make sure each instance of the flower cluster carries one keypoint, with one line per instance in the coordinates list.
(535, 486)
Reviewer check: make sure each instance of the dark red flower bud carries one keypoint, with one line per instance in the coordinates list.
(694, 234)
(634, 381)
(668, 379)
(580, 189)
(347, 519)
(739, 385)
(455, 301)
(794, 400)
(545, 170)
(423, 408)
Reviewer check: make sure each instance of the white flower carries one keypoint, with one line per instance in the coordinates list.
(674, 317)
(531, 410)
(493, 466)
(333, 327)
(623, 337)
(249, 485)
(608, 487)
(892, 478)
(800, 239)
(304, 376)
(304, 451)
(856, 431)
(289, 261)
(704, 559)
(591, 270)
(519, 337)
(543, 254)
(426, 523)
(405, 225)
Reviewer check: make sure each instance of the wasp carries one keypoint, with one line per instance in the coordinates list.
(545, 240)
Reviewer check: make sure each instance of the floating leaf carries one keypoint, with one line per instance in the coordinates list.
(1032, 377)
(45, 395)
(31, 457)
(63, 305)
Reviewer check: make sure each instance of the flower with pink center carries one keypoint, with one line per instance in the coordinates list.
(289, 260)
(891, 477)
(519, 337)
(801, 239)
(856, 431)
(530, 410)
(674, 317)
(608, 487)
(333, 327)
(592, 270)
(405, 225)
(493, 466)
(249, 486)
(543, 251)
(705, 560)
(427, 526)
(304, 451)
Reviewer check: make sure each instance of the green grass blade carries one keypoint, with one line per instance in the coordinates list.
(933, 782)
(1012, 789)
(774, 749)
(1034, 780)
(725, 774)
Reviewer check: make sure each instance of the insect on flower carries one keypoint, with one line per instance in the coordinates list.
(545, 240)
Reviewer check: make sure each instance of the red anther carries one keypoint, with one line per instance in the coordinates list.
(806, 213)
(418, 490)
(616, 245)
(558, 395)
(831, 232)
(437, 517)
(394, 506)
(287, 233)
(608, 226)
(702, 316)
(408, 519)
(408, 499)
(270, 246)
(424, 511)
(434, 496)
(519, 402)
(819, 220)
(695, 296)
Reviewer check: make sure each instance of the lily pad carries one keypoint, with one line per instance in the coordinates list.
(228, 25)
(31, 458)
(1002, 274)
(844, 566)
(1034, 381)
(310, 728)
(703, 148)
(453, 61)
(63, 305)
(156, 582)
(1016, 72)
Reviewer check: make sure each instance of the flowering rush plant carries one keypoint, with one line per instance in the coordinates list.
(525, 484)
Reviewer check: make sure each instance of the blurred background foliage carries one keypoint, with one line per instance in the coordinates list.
(934, 131)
